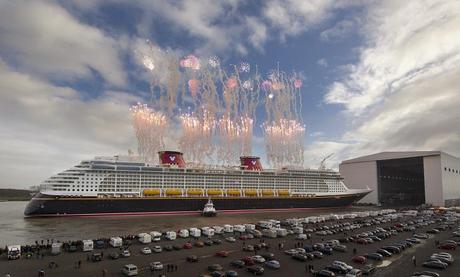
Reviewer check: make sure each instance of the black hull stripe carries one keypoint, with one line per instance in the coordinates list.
(42, 206)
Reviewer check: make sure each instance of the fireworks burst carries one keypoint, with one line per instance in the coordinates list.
(222, 110)
(150, 128)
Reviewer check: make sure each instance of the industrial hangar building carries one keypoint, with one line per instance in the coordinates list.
(406, 178)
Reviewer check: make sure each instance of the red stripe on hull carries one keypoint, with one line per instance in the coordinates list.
(177, 213)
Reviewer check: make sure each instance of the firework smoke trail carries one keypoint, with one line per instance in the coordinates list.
(150, 128)
(283, 128)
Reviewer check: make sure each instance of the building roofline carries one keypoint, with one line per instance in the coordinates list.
(389, 155)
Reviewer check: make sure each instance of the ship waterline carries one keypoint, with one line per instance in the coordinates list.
(43, 205)
(116, 185)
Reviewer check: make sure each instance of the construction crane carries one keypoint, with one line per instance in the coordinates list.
(322, 164)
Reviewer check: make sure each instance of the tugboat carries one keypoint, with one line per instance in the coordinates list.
(209, 209)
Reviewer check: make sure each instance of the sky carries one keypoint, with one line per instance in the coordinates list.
(377, 75)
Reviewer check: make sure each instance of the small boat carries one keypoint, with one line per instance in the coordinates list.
(209, 209)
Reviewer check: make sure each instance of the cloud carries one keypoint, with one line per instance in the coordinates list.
(47, 128)
(339, 31)
(43, 38)
(401, 50)
(403, 93)
(322, 62)
(257, 32)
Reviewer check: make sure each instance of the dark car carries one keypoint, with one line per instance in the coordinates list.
(168, 247)
(384, 253)
(368, 269)
(448, 246)
(337, 269)
(208, 242)
(216, 241)
(433, 231)
(177, 247)
(96, 257)
(192, 258)
(256, 270)
(199, 244)
(392, 249)
(215, 267)
(248, 248)
(317, 254)
(114, 256)
(435, 264)
(324, 273)
(375, 256)
(340, 248)
(300, 257)
(326, 250)
(237, 263)
(231, 273)
(217, 273)
(426, 273)
(268, 256)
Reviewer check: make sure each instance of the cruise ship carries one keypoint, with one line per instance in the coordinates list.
(106, 186)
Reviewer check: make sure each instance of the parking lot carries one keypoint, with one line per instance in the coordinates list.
(397, 265)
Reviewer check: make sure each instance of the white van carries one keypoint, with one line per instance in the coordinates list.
(249, 227)
(156, 236)
(239, 228)
(88, 245)
(195, 232)
(281, 232)
(297, 230)
(130, 270)
(144, 238)
(171, 235)
(218, 229)
(116, 242)
(269, 233)
(14, 252)
(184, 233)
(208, 232)
(228, 228)
(56, 248)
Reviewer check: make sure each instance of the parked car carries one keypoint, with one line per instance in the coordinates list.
(192, 258)
(426, 273)
(354, 273)
(114, 255)
(188, 245)
(359, 259)
(324, 273)
(146, 251)
(215, 267)
(154, 266)
(222, 253)
(435, 264)
(237, 263)
(300, 257)
(374, 256)
(230, 239)
(125, 253)
(130, 270)
(273, 264)
(256, 270)
(231, 273)
(368, 269)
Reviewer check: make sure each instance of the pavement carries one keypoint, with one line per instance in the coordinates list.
(400, 265)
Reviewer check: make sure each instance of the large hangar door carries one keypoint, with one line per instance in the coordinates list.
(401, 182)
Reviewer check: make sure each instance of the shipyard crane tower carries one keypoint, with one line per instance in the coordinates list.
(322, 164)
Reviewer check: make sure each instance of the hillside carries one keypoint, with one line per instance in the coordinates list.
(14, 194)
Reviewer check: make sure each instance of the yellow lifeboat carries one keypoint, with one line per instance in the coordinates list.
(234, 192)
(195, 192)
(173, 192)
(283, 192)
(214, 192)
(267, 192)
(250, 192)
(150, 192)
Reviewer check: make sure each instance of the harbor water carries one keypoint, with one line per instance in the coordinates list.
(19, 230)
